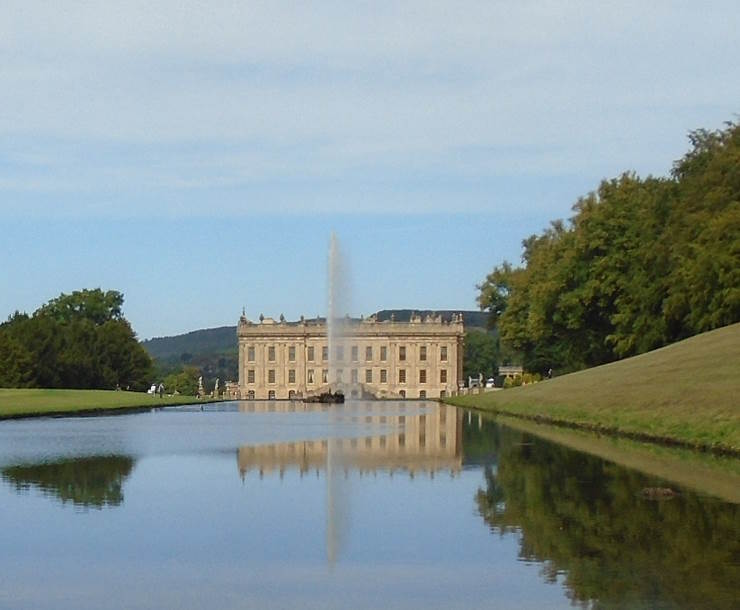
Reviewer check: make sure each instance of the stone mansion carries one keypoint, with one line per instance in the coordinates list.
(421, 358)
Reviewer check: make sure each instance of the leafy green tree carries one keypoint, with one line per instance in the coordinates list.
(481, 355)
(494, 292)
(96, 305)
(184, 382)
(80, 340)
(642, 263)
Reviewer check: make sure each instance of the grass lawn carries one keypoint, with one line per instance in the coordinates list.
(688, 393)
(26, 403)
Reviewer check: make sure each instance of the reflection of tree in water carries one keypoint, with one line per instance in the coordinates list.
(91, 482)
(587, 519)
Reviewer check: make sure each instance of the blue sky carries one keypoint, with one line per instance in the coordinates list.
(196, 156)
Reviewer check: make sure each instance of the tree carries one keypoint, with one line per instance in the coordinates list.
(641, 263)
(95, 305)
(184, 382)
(80, 340)
(481, 354)
(494, 292)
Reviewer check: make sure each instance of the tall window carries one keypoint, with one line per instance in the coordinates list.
(423, 352)
(271, 376)
(353, 376)
(402, 352)
(443, 353)
(325, 376)
(383, 376)
(324, 353)
(250, 353)
(383, 353)
(355, 357)
(310, 354)
(250, 376)
(271, 353)
(309, 376)
(369, 353)
(422, 393)
(368, 375)
(401, 375)
(422, 376)
(443, 376)
(291, 376)
(340, 353)
(291, 353)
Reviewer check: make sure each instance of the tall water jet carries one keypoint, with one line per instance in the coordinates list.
(337, 308)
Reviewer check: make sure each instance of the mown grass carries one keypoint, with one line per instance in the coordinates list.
(686, 393)
(32, 402)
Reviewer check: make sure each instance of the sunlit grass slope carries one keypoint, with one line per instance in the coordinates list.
(688, 392)
(21, 403)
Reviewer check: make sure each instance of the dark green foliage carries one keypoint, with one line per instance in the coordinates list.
(184, 382)
(481, 354)
(95, 306)
(642, 263)
(92, 482)
(74, 341)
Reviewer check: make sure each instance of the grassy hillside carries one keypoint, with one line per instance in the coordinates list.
(688, 393)
(28, 403)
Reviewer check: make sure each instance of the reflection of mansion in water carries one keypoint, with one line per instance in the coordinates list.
(421, 441)
(421, 358)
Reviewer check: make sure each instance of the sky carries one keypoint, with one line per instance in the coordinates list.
(196, 156)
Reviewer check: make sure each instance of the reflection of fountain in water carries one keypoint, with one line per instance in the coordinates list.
(337, 497)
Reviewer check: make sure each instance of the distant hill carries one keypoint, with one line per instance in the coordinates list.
(204, 341)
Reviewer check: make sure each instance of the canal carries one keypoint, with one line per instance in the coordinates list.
(363, 505)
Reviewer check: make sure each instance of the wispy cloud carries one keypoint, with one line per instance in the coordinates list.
(373, 101)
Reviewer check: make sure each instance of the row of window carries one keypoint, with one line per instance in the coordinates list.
(354, 376)
(311, 356)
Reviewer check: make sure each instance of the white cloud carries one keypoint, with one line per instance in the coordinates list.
(185, 96)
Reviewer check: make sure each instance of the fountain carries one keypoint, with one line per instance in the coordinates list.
(335, 322)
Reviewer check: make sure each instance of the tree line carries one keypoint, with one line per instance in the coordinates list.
(79, 340)
(643, 262)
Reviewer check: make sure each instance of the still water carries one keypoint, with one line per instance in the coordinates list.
(364, 505)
